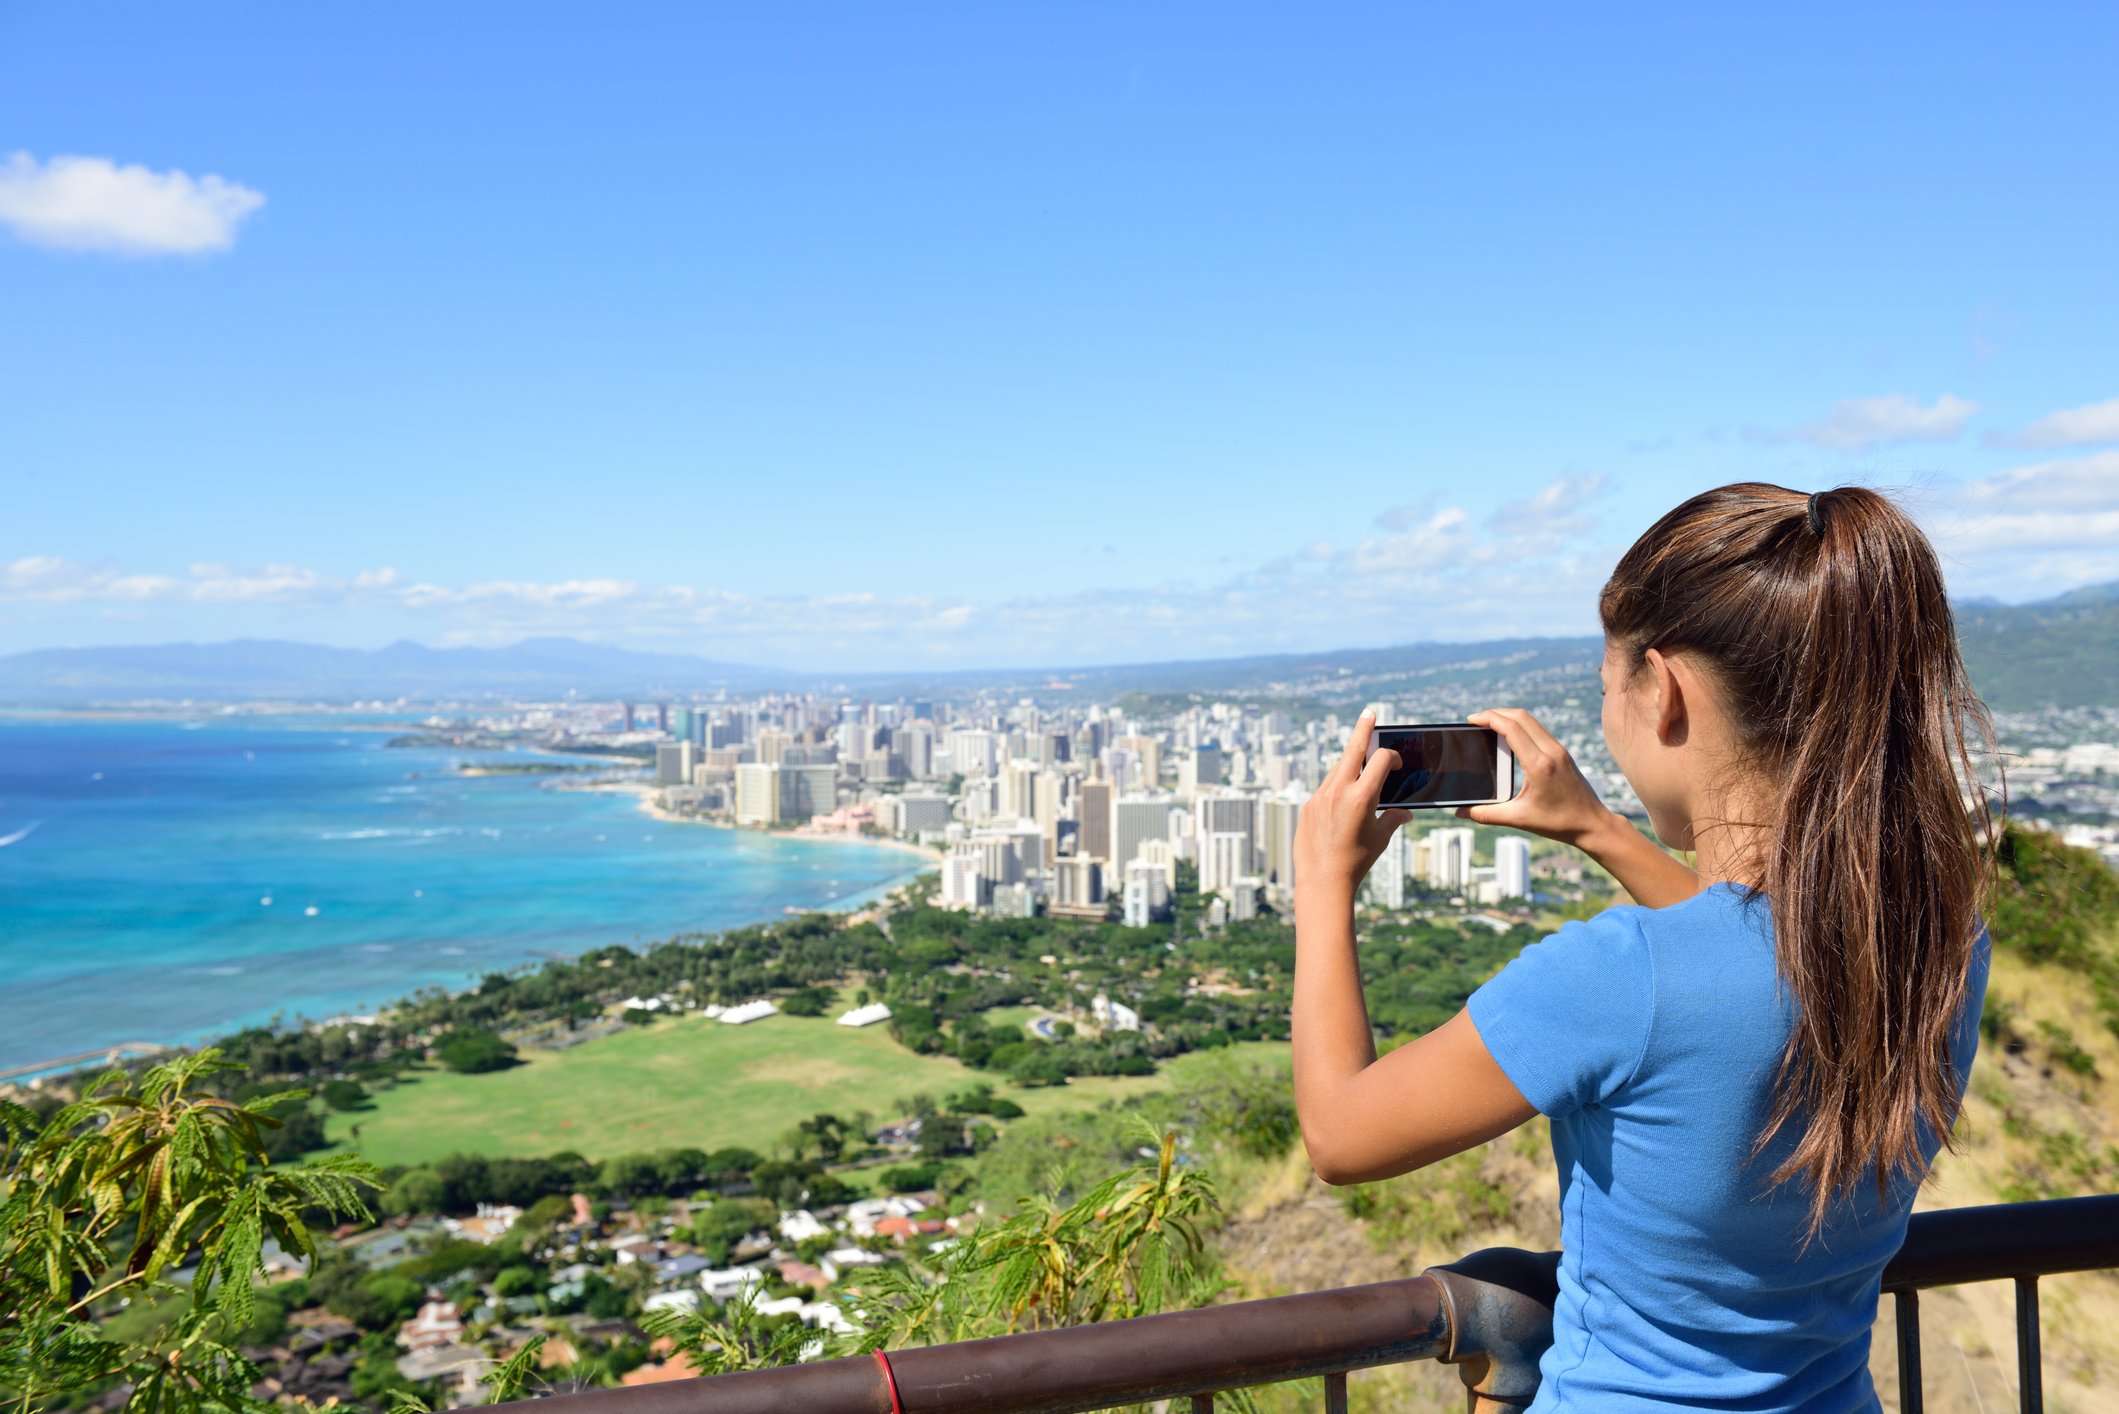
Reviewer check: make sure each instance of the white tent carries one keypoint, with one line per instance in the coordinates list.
(866, 1015)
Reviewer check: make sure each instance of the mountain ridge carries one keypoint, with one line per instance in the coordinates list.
(2062, 651)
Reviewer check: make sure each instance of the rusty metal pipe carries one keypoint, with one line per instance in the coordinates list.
(1490, 1314)
(1080, 1367)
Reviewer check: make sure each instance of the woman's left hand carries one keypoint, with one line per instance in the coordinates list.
(1340, 834)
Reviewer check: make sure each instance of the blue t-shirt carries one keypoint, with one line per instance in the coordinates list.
(1651, 1037)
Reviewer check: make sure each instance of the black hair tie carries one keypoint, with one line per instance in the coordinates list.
(1815, 516)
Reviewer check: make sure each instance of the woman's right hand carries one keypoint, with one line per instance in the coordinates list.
(1557, 801)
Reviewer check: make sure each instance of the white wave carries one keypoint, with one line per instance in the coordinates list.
(217, 971)
(358, 834)
(373, 947)
(450, 952)
(20, 835)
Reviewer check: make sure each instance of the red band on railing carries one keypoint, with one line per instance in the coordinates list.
(890, 1378)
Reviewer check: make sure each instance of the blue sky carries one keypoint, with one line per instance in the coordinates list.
(886, 335)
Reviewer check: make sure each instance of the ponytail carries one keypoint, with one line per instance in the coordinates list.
(1823, 622)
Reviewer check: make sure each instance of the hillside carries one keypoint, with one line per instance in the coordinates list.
(2062, 651)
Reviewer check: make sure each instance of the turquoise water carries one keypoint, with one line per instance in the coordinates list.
(137, 860)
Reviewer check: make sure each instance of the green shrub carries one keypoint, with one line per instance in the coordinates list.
(472, 1049)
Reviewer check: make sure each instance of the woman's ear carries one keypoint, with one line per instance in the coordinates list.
(1666, 698)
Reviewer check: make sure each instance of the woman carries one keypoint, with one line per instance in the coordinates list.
(1749, 1072)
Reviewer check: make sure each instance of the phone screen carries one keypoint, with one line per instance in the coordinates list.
(1440, 765)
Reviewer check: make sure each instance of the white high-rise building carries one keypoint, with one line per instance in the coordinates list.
(1224, 857)
(757, 794)
(1198, 769)
(1028, 842)
(998, 861)
(915, 811)
(808, 790)
(1220, 813)
(1078, 888)
(982, 800)
(1512, 867)
(916, 745)
(973, 752)
(1048, 800)
(1391, 873)
(1449, 859)
(1280, 815)
(1147, 893)
(1149, 753)
(673, 763)
(963, 884)
(1019, 790)
(1136, 819)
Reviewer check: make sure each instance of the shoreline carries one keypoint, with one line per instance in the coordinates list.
(645, 793)
(240, 963)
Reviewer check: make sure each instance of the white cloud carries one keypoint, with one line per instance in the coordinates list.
(2071, 504)
(1437, 576)
(1856, 424)
(1554, 514)
(91, 203)
(1426, 572)
(2071, 427)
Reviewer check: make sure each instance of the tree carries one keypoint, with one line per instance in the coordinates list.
(718, 1228)
(822, 1135)
(810, 1001)
(472, 1049)
(515, 1281)
(1129, 1246)
(344, 1094)
(106, 1194)
(732, 1337)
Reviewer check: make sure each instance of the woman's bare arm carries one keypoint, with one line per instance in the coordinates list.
(1558, 803)
(1362, 1118)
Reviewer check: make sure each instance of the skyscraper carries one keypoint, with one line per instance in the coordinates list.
(808, 790)
(757, 793)
(1136, 819)
(1282, 813)
(1224, 857)
(1199, 769)
(1228, 813)
(1093, 809)
(1078, 888)
(1449, 861)
(1512, 866)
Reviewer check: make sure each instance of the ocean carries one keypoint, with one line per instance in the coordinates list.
(171, 880)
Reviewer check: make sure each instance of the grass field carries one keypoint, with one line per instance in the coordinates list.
(682, 1082)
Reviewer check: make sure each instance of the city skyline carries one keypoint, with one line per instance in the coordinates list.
(960, 340)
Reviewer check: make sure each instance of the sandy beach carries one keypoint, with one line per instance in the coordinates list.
(646, 796)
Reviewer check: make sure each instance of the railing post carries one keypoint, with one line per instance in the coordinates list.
(1908, 1321)
(2030, 1372)
(1499, 1302)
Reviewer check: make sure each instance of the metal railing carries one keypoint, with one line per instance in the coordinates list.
(1489, 1314)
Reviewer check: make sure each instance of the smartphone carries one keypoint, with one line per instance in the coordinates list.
(1451, 763)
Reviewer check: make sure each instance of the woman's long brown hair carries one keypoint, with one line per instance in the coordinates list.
(1824, 624)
